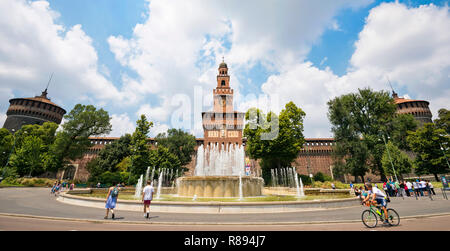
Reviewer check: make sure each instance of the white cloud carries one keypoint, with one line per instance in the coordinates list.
(408, 45)
(181, 44)
(121, 124)
(33, 45)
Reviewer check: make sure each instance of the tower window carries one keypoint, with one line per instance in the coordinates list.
(223, 83)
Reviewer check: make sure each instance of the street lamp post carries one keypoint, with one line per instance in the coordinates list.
(389, 154)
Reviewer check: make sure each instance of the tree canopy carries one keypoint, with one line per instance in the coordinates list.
(82, 122)
(178, 142)
(275, 140)
(359, 121)
(431, 146)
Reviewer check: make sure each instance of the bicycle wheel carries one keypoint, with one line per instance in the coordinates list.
(369, 219)
(393, 217)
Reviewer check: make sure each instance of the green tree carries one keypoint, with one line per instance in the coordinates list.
(46, 132)
(443, 121)
(6, 146)
(162, 157)
(32, 143)
(276, 140)
(27, 159)
(178, 142)
(426, 143)
(140, 151)
(401, 162)
(110, 156)
(72, 142)
(400, 126)
(358, 122)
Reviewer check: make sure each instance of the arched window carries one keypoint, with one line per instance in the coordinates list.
(223, 83)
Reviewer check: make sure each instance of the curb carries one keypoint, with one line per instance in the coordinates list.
(204, 223)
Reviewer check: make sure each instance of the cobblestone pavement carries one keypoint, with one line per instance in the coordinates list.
(415, 215)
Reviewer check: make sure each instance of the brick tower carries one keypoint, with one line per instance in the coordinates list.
(223, 125)
(30, 111)
(418, 108)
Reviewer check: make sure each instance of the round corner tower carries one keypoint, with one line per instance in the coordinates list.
(418, 108)
(30, 111)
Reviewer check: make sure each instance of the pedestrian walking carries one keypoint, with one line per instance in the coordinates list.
(431, 187)
(53, 188)
(111, 200)
(402, 188)
(57, 188)
(385, 188)
(423, 185)
(147, 196)
(409, 186)
(397, 189)
(420, 186)
(416, 188)
(389, 188)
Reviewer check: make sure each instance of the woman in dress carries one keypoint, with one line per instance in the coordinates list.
(111, 200)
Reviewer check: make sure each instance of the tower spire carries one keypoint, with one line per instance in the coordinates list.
(394, 94)
(44, 93)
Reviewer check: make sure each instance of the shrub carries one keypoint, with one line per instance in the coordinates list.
(10, 181)
(29, 182)
(321, 177)
(306, 180)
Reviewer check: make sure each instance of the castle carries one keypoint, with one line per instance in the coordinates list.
(222, 126)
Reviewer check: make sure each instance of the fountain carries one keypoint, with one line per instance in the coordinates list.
(300, 192)
(158, 193)
(147, 173)
(218, 173)
(138, 191)
(153, 173)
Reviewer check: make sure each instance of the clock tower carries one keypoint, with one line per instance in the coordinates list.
(223, 125)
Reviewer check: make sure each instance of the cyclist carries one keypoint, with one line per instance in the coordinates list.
(377, 197)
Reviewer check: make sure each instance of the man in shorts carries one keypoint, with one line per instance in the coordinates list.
(377, 197)
(147, 196)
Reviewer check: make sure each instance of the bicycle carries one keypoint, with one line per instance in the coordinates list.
(370, 216)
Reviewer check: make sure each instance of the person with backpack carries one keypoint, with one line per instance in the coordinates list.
(111, 200)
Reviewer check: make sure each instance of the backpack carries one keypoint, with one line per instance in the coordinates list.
(114, 192)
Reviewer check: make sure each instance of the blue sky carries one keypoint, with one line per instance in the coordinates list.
(135, 56)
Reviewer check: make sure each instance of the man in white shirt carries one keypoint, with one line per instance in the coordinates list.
(147, 196)
(416, 188)
(423, 186)
(377, 197)
(409, 186)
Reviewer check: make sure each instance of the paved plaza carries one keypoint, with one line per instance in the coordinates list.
(29, 208)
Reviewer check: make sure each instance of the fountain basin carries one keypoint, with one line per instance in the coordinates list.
(219, 186)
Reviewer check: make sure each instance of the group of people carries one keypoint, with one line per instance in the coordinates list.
(113, 194)
(416, 188)
(58, 186)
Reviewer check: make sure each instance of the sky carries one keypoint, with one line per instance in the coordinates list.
(160, 58)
